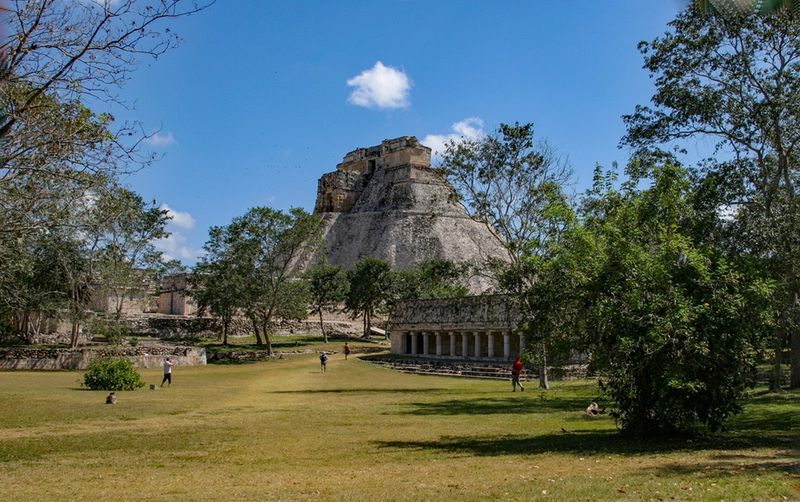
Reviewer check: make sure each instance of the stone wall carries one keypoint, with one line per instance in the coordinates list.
(174, 298)
(489, 312)
(79, 359)
(167, 327)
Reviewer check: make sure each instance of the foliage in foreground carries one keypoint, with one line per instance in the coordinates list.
(734, 82)
(112, 374)
(66, 222)
(673, 324)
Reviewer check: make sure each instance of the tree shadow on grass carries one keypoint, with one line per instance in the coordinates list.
(296, 341)
(495, 405)
(771, 422)
(588, 443)
(392, 390)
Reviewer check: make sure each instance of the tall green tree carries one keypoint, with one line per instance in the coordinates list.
(370, 283)
(57, 153)
(58, 56)
(217, 281)
(672, 323)
(736, 81)
(126, 233)
(268, 245)
(250, 267)
(516, 188)
(329, 288)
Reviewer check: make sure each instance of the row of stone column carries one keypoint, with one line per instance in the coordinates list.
(459, 344)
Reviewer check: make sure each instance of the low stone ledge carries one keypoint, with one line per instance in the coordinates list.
(249, 356)
(28, 358)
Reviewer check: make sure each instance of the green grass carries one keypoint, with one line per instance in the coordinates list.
(280, 430)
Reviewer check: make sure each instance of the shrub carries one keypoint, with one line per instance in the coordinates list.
(113, 330)
(112, 374)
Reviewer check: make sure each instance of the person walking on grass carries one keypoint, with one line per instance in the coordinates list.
(516, 372)
(346, 351)
(323, 361)
(167, 373)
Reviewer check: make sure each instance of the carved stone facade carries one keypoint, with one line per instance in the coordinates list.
(387, 202)
(173, 298)
(477, 328)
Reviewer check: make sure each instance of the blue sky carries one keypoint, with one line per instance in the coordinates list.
(258, 102)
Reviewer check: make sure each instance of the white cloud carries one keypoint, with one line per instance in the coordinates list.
(158, 139)
(381, 87)
(727, 213)
(175, 247)
(468, 129)
(178, 218)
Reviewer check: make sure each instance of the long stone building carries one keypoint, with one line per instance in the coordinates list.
(387, 202)
(477, 328)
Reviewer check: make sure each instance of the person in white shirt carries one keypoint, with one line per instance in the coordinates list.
(167, 372)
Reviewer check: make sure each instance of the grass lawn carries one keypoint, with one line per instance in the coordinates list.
(280, 430)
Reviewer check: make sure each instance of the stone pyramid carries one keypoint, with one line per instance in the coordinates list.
(387, 202)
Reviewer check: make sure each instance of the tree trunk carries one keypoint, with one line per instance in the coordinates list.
(24, 326)
(37, 328)
(544, 382)
(19, 323)
(265, 328)
(775, 378)
(120, 303)
(225, 323)
(322, 326)
(794, 382)
(794, 344)
(73, 336)
(256, 331)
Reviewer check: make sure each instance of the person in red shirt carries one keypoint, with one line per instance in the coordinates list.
(516, 372)
(346, 351)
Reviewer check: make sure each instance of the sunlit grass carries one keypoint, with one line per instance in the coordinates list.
(282, 430)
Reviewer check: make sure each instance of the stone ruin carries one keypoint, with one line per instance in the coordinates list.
(387, 202)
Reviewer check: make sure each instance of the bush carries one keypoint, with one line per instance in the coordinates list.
(112, 374)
